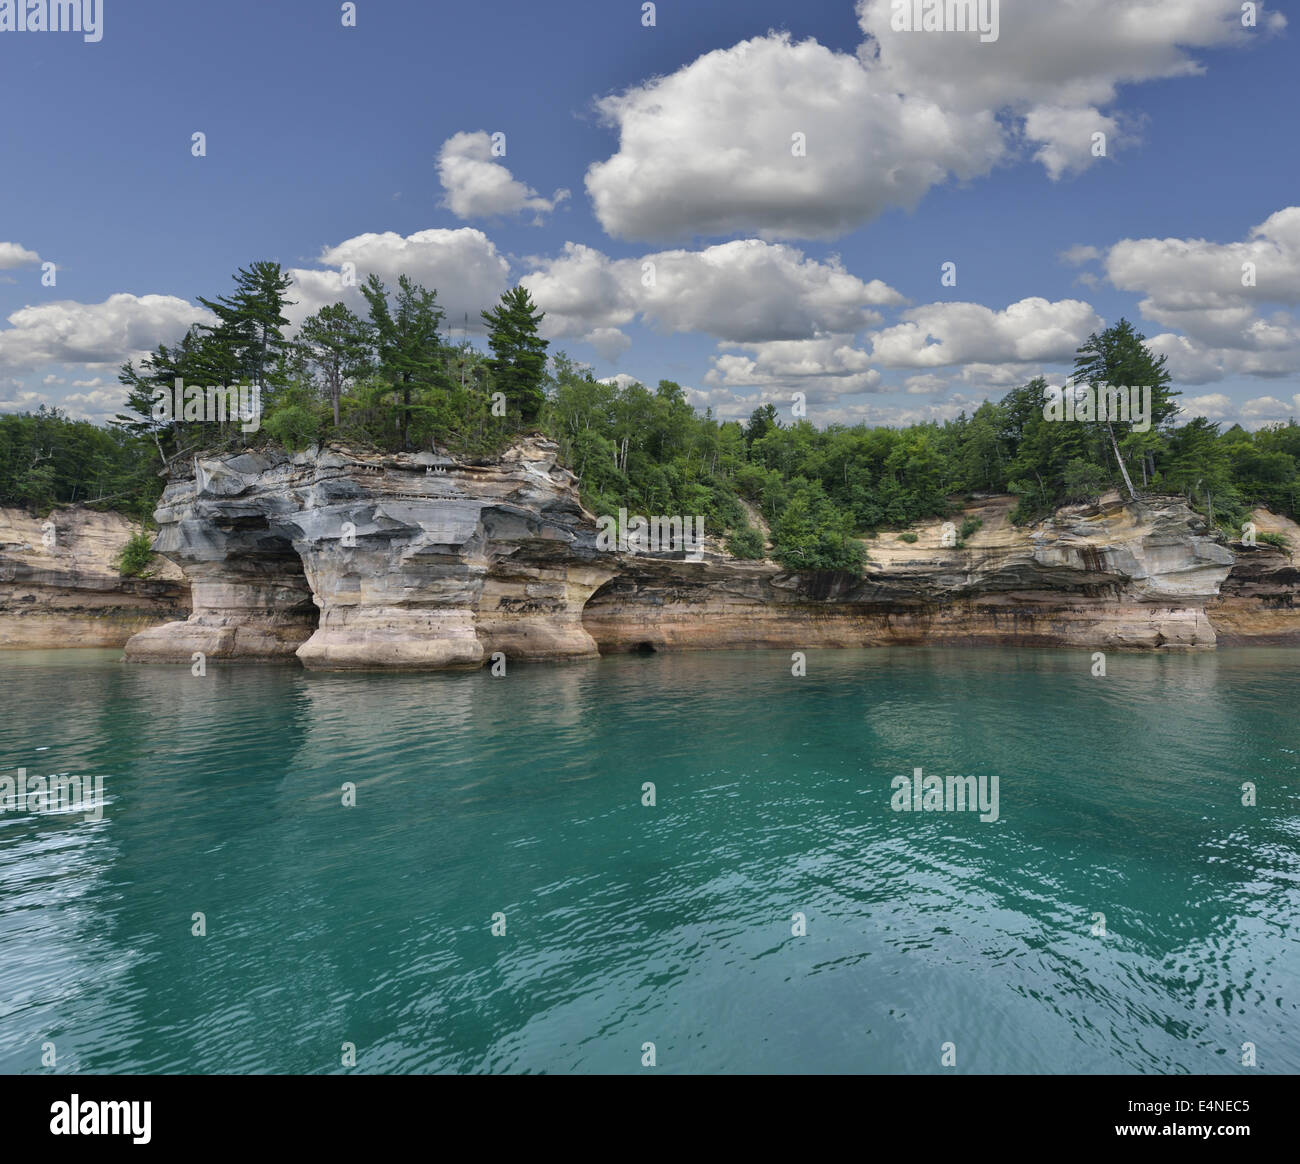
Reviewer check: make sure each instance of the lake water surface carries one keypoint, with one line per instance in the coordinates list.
(672, 924)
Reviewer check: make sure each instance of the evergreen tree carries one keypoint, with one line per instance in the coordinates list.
(410, 349)
(1119, 358)
(190, 361)
(249, 333)
(1197, 466)
(518, 353)
(336, 344)
(811, 534)
(761, 421)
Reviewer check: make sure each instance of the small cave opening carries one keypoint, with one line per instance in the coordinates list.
(644, 648)
(269, 562)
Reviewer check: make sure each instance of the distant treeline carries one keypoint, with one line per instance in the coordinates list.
(391, 380)
(48, 460)
(822, 489)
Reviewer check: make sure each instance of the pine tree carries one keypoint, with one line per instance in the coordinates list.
(761, 421)
(337, 344)
(187, 361)
(410, 349)
(1119, 358)
(518, 361)
(249, 333)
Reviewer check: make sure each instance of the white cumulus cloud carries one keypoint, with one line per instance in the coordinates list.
(712, 148)
(746, 291)
(785, 140)
(1031, 330)
(824, 367)
(12, 255)
(477, 185)
(462, 265)
(97, 335)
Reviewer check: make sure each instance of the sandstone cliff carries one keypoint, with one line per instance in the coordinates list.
(68, 593)
(1258, 603)
(405, 561)
(1105, 576)
(423, 561)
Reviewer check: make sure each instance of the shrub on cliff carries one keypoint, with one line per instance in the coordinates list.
(294, 425)
(811, 534)
(136, 557)
(746, 543)
(1084, 481)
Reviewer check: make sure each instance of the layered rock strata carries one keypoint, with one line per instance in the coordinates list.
(1109, 576)
(1259, 604)
(423, 561)
(60, 587)
(408, 561)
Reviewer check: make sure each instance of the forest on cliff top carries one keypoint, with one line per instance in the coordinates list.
(391, 380)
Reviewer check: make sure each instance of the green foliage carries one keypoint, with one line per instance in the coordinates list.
(811, 534)
(335, 346)
(909, 537)
(1118, 358)
(969, 526)
(518, 353)
(410, 359)
(746, 543)
(47, 460)
(761, 421)
(134, 559)
(248, 337)
(245, 347)
(393, 381)
(294, 423)
(1083, 481)
(1280, 541)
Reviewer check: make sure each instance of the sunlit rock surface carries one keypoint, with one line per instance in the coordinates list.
(60, 586)
(424, 561)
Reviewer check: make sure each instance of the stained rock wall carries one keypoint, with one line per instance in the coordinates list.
(407, 561)
(59, 586)
(423, 561)
(1259, 604)
(1109, 576)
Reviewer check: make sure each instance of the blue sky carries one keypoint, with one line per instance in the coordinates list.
(774, 273)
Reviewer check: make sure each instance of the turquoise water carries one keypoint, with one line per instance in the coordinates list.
(671, 924)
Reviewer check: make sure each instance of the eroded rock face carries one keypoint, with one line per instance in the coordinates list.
(1109, 576)
(1259, 605)
(423, 561)
(407, 561)
(59, 586)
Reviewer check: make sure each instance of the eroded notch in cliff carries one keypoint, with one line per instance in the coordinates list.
(264, 567)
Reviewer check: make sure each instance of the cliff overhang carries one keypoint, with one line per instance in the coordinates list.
(424, 561)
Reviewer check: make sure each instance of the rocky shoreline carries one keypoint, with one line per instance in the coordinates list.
(59, 586)
(343, 560)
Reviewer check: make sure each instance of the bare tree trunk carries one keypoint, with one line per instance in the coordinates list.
(1114, 444)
